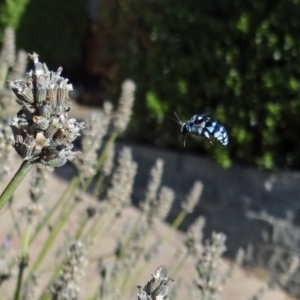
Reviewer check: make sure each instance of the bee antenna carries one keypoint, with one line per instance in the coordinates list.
(206, 114)
(172, 119)
(177, 120)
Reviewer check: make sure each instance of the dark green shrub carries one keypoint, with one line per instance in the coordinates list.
(238, 60)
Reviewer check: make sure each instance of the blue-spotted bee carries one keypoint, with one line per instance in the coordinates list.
(203, 125)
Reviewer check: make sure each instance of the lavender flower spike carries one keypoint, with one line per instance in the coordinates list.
(42, 131)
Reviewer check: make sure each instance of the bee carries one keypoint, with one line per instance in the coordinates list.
(203, 125)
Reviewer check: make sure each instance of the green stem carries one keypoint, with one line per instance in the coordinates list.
(179, 266)
(22, 265)
(65, 214)
(94, 296)
(71, 186)
(14, 183)
(83, 223)
(175, 225)
(87, 183)
(98, 185)
(97, 226)
(3, 75)
(134, 264)
(45, 292)
(45, 297)
(55, 231)
(134, 278)
(179, 219)
(26, 240)
(134, 229)
(94, 228)
(52, 237)
(100, 160)
(23, 261)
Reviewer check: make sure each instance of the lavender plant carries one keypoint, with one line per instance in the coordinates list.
(42, 131)
(43, 137)
(67, 285)
(208, 281)
(157, 288)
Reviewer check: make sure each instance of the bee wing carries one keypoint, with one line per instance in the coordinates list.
(218, 131)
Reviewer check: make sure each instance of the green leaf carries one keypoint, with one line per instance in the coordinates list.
(243, 23)
(156, 106)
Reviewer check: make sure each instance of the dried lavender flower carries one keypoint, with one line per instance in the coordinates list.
(19, 67)
(193, 197)
(67, 285)
(208, 281)
(108, 162)
(123, 113)
(96, 128)
(7, 54)
(7, 154)
(157, 288)
(31, 210)
(7, 61)
(194, 237)
(165, 200)
(42, 131)
(160, 208)
(249, 255)
(156, 173)
(240, 257)
(122, 181)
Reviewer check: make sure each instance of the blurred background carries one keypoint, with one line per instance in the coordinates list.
(237, 60)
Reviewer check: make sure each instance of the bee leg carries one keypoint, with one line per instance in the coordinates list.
(207, 135)
(184, 136)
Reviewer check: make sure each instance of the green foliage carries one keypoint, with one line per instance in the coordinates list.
(11, 12)
(237, 59)
(156, 107)
(243, 23)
